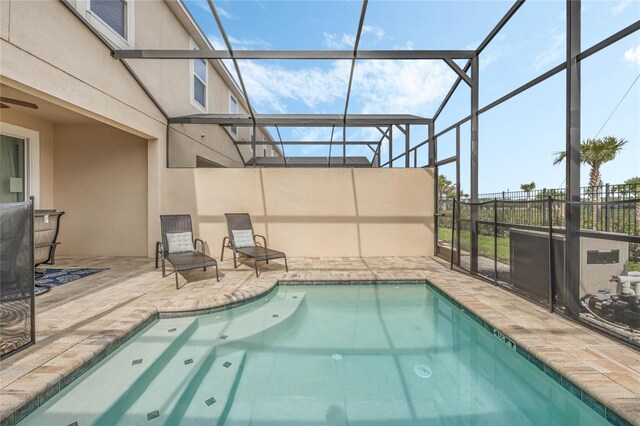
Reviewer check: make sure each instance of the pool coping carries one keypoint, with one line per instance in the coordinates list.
(597, 405)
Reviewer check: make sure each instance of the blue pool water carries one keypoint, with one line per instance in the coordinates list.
(363, 355)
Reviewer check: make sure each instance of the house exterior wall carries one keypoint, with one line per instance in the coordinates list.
(116, 168)
(312, 212)
(101, 183)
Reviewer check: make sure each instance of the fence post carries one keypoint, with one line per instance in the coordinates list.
(453, 232)
(544, 211)
(606, 208)
(495, 240)
(551, 259)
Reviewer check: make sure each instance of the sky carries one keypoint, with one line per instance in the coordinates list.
(517, 139)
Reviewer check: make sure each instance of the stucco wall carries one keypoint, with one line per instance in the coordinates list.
(312, 212)
(101, 184)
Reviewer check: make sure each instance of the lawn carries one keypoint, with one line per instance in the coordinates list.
(485, 243)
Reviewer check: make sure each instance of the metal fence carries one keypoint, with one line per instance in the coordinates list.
(520, 245)
(17, 297)
(601, 210)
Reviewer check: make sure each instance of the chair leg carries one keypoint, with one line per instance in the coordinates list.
(222, 251)
(53, 255)
(217, 276)
(177, 288)
(235, 263)
(157, 252)
(267, 260)
(255, 265)
(286, 267)
(164, 273)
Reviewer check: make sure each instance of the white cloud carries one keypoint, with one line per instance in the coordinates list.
(633, 55)
(238, 44)
(271, 85)
(347, 41)
(204, 5)
(242, 44)
(553, 54)
(620, 7)
(378, 86)
(222, 12)
(376, 31)
(334, 41)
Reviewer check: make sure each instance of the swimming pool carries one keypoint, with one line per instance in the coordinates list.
(357, 354)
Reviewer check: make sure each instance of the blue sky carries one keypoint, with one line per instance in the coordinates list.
(517, 139)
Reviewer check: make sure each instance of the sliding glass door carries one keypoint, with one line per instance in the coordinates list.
(12, 169)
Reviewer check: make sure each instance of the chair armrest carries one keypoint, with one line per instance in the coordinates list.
(264, 240)
(203, 245)
(226, 241)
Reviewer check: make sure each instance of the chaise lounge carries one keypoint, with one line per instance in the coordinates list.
(178, 246)
(241, 239)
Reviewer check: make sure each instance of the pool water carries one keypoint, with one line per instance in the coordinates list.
(365, 355)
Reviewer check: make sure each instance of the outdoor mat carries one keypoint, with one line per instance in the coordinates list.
(55, 277)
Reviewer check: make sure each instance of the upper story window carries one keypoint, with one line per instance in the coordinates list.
(113, 13)
(113, 18)
(233, 109)
(198, 82)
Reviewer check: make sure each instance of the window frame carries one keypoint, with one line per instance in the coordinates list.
(84, 7)
(233, 99)
(192, 74)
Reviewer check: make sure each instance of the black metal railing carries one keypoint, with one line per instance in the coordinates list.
(520, 245)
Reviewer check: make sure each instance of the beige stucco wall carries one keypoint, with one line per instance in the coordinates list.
(45, 131)
(101, 184)
(312, 212)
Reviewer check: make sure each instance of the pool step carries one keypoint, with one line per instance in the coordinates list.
(117, 378)
(212, 400)
(171, 363)
(189, 394)
(253, 324)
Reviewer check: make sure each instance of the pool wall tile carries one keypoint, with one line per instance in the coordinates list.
(595, 405)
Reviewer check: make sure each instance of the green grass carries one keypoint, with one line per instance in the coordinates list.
(485, 245)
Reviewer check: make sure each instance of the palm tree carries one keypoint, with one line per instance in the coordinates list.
(446, 187)
(596, 152)
(528, 187)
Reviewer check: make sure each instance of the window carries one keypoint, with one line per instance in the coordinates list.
(199, 73)
(233, 109)
(113, 18)
(113, 13)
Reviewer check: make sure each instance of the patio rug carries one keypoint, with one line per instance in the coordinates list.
(55, 277)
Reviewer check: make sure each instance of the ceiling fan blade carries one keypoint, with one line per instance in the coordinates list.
(18, 102)
(4, 106)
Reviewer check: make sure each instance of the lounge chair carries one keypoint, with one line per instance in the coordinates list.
(244, 242)
(179, 248)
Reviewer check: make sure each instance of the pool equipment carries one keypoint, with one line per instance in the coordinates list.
(623, 307)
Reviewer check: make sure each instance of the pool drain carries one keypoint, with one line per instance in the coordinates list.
(422, 371)
(336, 357)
